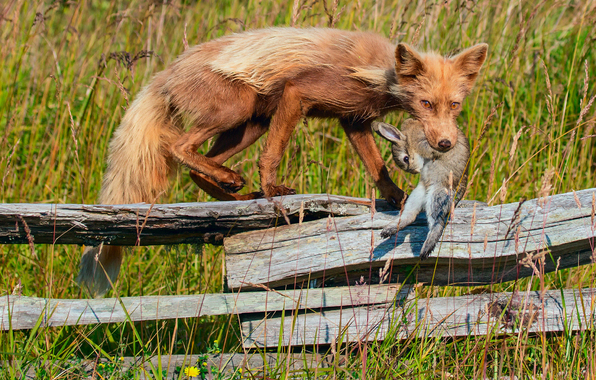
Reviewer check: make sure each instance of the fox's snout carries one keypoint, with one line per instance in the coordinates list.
(445, 144)
(441, 136)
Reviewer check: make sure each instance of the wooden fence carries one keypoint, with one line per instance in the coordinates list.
(308, 269)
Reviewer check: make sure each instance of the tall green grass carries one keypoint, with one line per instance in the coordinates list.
(70, 69)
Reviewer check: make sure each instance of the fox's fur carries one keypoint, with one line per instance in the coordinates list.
(240, 86)
(443, 178)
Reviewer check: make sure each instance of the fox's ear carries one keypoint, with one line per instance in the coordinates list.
(408, 63)
(388, 132)
(469, 61)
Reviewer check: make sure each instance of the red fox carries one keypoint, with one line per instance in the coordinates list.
(242, 85)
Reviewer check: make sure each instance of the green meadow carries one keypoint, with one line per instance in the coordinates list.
(70, 69)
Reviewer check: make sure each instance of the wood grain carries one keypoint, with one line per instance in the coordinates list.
(480, 245)
(145, 224)
(498, 313)
(17, 312)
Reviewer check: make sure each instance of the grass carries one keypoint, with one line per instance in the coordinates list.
(70, 69)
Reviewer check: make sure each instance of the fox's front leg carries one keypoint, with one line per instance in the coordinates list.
(414, 204)
(360, 135)
(288, 113)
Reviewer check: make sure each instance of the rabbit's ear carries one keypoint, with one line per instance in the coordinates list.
(388, 132)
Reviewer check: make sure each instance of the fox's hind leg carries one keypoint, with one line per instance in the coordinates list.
(226, 145)
(185, 151)
(216, 191)
(215, 106)
(235, 140)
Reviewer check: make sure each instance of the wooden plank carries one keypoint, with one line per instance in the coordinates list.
(18, 312)
(480, 245)
(497, 313)
(144, 224)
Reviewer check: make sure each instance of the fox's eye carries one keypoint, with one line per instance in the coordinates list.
(454, 105)
(426, 104)
(406, 159)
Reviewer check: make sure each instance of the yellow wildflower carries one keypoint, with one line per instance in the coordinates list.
(191, 371)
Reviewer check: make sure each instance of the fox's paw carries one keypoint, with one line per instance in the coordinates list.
(231, 182)
(394, 196)
(277, 191)
(389, 231)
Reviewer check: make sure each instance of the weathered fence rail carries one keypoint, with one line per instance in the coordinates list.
(480, 245)
(18, 312)
(145, 224)
(496, 313)
(333, 240)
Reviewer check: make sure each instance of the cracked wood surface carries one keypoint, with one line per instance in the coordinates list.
(18, 312)
(145, 224)
(480, 245)
(476, 314)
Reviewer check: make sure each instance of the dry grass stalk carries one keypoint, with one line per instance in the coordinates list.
(523, 30)
(472, 178)
(472, 225)
(121, 87)
(298, 7)
(515, 219)
(491, 180)
(76, 144)
(516, 239)
(577, 201)
(184, 38)
(587, 134)
(470, 183)
(415, 38)
(503, 189)
(29, 237)
(529, 261)
(546, 186)
(473, 222)
(8, 162)
(569, 145)
(332, 14)
(514, 146)
(592, 216)
(550, 97)
(586, 79)
(384, 272)
(585, 110)
(485, 125)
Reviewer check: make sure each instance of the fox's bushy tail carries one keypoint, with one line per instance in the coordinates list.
(139, 164)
